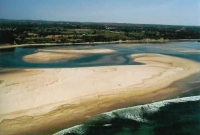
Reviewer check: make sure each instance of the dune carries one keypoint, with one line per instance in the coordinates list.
(52, 55)
(44, 101)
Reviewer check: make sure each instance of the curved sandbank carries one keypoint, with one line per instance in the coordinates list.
(51, 55)
(47, 100)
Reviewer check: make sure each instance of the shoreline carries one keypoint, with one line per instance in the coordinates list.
(9, 46)
(130, 113)
(67, 120)
(159, 81)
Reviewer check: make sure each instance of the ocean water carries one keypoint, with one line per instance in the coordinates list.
(170, 117)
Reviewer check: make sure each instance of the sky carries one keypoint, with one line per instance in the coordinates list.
(172, 12)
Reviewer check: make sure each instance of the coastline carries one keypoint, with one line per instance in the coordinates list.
(141, 114)
(11, 47)
(156, 80)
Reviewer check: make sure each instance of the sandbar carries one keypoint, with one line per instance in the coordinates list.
(52, 55)
(37, 101)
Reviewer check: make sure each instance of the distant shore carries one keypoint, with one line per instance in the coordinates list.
(10, 47)
(67, 96)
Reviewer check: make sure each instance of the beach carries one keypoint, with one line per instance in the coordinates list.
(36, 100)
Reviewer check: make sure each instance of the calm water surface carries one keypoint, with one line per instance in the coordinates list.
(121, 57)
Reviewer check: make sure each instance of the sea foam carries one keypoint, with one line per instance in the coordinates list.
(132, 113)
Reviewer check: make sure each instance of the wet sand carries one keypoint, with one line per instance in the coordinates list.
(44, 101)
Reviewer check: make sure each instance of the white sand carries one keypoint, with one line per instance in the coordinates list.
(51, 55)
(37, 91)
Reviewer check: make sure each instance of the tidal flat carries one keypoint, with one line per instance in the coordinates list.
(58, 91)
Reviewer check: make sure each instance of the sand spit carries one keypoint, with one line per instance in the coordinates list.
(190, 51)
(44, 101)
(51, 55)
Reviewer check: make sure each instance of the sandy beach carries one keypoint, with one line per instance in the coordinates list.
(36, 100)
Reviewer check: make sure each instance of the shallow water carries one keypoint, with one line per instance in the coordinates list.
(121, 57)
(171, 118)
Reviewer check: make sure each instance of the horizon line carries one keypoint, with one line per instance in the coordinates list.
(98, 22)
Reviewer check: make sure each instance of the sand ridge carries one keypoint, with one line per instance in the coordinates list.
(57, 96)
(53, 55)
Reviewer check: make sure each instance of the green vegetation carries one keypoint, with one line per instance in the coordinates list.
(33, 32)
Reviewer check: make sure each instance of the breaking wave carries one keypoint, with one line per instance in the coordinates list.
(137, 117)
